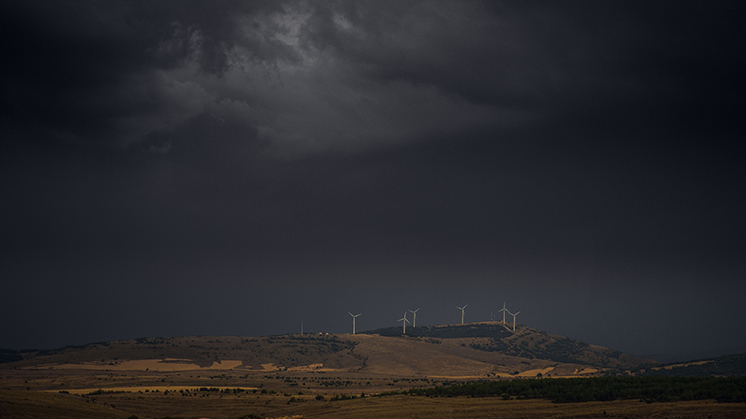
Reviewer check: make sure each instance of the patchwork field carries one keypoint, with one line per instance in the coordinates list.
(324, 376)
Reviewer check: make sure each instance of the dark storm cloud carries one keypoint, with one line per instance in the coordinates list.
(172, 155)
(91, 71)
(626, 62)
(116, 72)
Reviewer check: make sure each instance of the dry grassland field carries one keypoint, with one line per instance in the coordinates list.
(38, 404)
(299, 376)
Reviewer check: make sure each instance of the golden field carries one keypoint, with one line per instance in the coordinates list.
(303, 376)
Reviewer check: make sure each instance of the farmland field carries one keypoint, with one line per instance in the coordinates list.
(37, 404)
(335, 376)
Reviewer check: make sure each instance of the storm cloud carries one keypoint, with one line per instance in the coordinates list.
(162, 156)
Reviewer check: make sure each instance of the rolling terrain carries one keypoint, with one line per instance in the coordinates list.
(477, 350)
(721, 366)
(525, 342)
(319, 375)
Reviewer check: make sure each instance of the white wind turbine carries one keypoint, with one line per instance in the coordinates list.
(414, 318)
(513, 318)
(354, 316)
(462, 312)
(404, 322)
(503, 310)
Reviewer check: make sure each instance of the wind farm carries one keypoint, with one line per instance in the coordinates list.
(306, 374)
(405, 320)
(312, 374)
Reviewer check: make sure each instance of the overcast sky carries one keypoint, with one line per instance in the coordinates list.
(230, 168)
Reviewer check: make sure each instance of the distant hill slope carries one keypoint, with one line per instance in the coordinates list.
(286, 350)
(728, 365)
(9, 355)
(525, 342)
(471, 351)
(493, 330)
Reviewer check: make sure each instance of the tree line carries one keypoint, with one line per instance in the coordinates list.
(573, 390)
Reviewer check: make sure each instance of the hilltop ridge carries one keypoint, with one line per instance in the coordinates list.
(476, 350)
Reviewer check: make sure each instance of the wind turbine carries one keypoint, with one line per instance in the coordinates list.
(462, 312)
(354, 316)
(404, 322)
(503, 310)
(513, 318)
(414, 319)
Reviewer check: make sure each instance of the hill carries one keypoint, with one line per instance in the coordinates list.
(728, 365)
(335, 375)
(525, 342)
(472, 351)
(204, 352)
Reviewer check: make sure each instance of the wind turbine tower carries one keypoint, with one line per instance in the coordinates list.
(414, 318)
(354, 316)
(404, 322)
(503, 310)
(514, 319)
(462, 312)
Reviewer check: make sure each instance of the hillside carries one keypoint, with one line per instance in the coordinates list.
(335, 375)
(728, 365)
(472, 351)
(525, 342)
(205, 351)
